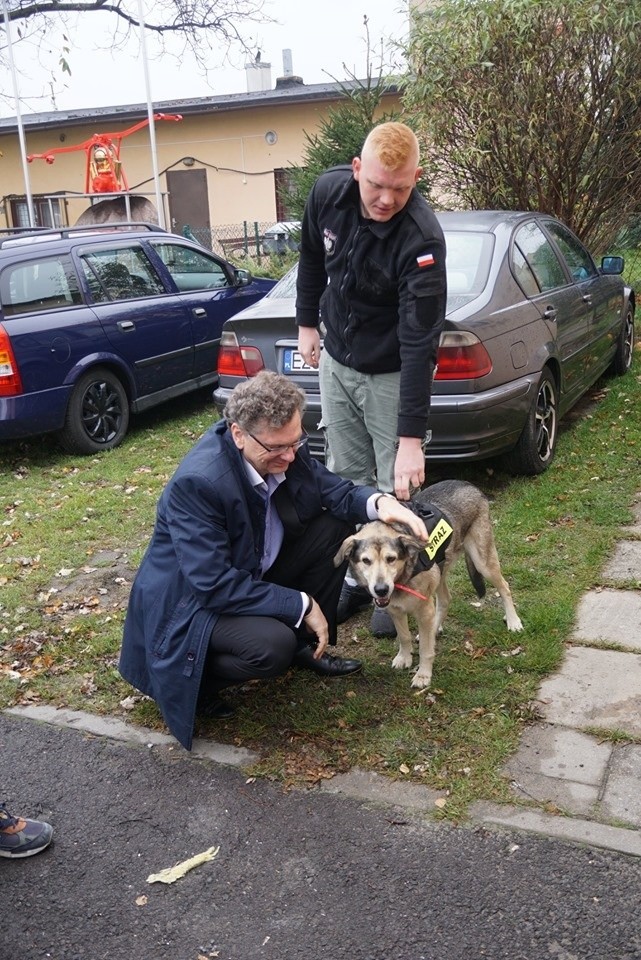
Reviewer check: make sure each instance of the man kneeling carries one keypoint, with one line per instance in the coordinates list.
(238, 582)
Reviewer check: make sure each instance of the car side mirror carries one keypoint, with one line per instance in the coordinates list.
(243, 277)
(612, 265)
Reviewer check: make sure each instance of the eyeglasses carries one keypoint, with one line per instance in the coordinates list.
(281, 447)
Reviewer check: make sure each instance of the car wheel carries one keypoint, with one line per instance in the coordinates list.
(536, 446)
(622, 358)
(97, 415)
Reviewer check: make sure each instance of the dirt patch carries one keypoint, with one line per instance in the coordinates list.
(102, 584)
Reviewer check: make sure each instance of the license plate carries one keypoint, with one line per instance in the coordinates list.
(294, 363)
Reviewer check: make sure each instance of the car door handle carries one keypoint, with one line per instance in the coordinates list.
(126, 325)
(550, 313)
(199, 312)
(587, 299)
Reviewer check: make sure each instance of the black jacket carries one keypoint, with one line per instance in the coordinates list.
(380, 288)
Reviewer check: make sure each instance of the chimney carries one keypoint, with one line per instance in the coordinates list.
(259, 75)
(288, 79)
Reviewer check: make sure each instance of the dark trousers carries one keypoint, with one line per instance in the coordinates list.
(248, 648)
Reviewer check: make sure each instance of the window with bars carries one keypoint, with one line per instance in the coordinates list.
(48, 212)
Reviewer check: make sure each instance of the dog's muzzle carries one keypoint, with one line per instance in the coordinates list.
(382, 601)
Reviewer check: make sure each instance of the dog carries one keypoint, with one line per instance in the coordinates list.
(387, 560)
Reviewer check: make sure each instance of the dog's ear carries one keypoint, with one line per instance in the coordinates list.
(346, 551)
(411, 544)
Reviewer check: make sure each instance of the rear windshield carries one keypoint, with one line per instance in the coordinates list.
(468, 267)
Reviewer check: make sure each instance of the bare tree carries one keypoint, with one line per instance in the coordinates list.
(207, 29)
(532, 104)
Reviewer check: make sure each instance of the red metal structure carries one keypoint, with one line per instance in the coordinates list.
(104, 170)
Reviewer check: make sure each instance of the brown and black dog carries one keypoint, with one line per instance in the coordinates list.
(386, 560)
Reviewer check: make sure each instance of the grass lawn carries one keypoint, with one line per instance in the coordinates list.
(74, 530)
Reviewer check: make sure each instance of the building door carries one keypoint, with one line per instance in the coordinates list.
(189, 204)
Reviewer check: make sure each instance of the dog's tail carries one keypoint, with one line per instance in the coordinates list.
(477, 579)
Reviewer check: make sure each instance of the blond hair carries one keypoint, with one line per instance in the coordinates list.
(393, 144)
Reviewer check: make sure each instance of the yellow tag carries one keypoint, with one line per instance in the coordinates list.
(438, 536)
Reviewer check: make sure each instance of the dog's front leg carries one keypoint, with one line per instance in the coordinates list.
(403, 659)
(426, 620)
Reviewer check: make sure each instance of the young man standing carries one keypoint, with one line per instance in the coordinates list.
(372, 270)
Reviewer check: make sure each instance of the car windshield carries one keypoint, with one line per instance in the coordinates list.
(468, 266)
(285, 289)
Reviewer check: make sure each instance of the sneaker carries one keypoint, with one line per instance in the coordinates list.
(381, 624)
(351, 600)
(20, 837)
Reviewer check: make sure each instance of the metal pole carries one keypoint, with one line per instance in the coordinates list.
(150, 114)
(23, 146)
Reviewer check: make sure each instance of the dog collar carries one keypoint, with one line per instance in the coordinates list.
(415, 593)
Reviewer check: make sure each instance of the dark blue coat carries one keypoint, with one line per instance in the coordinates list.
(204, 559)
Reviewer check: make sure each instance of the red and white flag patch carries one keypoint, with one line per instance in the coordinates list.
(426, 260)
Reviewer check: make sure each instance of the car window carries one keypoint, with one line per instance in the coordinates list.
(523, 274)
(540, 256)
(578, 259)
(190, 269)
(119, 273)
(46, 284)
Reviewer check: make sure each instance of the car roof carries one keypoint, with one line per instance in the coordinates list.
(481, 220)
(13, 238)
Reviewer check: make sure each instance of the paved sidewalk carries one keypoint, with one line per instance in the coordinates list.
(589, 784)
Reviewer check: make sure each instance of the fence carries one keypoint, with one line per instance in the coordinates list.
(253, 239)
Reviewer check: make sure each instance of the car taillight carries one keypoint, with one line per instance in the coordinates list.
(10, 382)
(461, 356)
(237, 361)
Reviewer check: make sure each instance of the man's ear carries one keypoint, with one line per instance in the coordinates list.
(237, 435)
(356, 167)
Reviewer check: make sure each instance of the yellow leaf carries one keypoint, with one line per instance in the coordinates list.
(440, 803)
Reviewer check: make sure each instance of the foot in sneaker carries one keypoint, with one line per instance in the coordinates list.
(20, 837)
(352, 599)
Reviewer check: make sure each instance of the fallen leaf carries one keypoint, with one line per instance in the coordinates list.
(141, 901)
(440, 803)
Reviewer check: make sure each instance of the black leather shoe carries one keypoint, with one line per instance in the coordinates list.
(351, 600)
(213, 708)
(325, 666)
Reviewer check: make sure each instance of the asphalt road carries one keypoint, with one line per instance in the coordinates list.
(299, 875)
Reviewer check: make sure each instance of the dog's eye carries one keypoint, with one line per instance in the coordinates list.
(391, 558)
(366, 561)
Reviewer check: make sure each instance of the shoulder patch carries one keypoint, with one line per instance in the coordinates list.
(426, 260)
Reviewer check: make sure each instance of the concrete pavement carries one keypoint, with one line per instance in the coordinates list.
(580, 766)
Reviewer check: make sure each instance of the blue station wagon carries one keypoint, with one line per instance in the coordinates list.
(100, 322)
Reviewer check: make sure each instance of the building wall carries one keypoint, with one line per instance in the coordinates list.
(231, 145)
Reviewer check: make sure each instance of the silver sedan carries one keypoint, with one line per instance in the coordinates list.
(532, 322)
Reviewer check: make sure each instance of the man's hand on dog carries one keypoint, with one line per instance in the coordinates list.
(316, 623)
(391, 511)
(409, 467)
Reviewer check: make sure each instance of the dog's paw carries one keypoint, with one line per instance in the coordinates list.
(421, 680)
(514, 623)
(401, 662)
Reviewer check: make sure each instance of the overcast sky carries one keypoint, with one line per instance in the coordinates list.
(322, 37)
